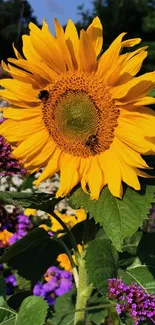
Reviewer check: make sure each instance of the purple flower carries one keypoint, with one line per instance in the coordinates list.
(11, 283)
(23, 226)
(38, 290)
(57, 283)
(14, 238)
(9, 166)
(136, 301)
(23, 220)
(10, 279)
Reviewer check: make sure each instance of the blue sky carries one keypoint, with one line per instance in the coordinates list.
(61, 9)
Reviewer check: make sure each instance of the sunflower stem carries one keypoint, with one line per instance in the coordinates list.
(74, 268)
(73, 241)
(83, 293)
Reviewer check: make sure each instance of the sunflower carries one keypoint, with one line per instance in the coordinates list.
(78, 111)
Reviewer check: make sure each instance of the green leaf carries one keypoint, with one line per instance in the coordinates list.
(11, 321)
(131, 243)
(64, 309)
(141, 275)
(97, 316)
(32, 311)
(5, 311)
(119, 218)
(28, 182)
(22, 283)
(41, 201)
(33, 254)
(127, 257)
(101, 262)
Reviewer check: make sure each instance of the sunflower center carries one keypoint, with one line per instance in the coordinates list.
(79, 114)
(75, 115)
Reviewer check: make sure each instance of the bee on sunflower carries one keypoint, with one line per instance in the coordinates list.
(80, 112)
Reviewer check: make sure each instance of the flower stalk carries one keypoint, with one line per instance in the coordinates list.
(83, 293)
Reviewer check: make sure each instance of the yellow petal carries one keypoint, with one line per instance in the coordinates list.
(83, 170)
(134, 65)
(41, 72)
(132, 136)
(95, 179)
(95, 32)
(21, 89)
(32, 145)
(15, 101)
(72, 41)
(19, 74)
(145, 101)
(129, 175)
(51, 168)
(130, 156)
(111, 168)
(21, 114)
(43, 155)
(144, 124)
(142, 174)
(87, 53)
(69, 176)
(48, 51)
(20, 130)
(109, 57)
(131, 42)
(17, 54)
(136, 88)
(62, 44)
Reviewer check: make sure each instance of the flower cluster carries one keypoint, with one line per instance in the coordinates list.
(9, 166)
(132, 299)
(23, 226)
(15, 225)
(70, 220)
(57, 283)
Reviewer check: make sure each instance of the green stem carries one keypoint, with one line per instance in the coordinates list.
(83, 293)
(102, 306)
(73, 241)
(74, 268)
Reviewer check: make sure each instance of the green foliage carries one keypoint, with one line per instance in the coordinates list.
(97, 315)
(64, 309)
(32, 311)
(119, 218)
(42, 201)
(11, 321)
(5, 311)
(140, 274)
(31, 255)
(101, 262)
(134, 16)
(15, 16)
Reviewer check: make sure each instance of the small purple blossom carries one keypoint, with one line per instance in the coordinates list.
(136, 301)
(23, 226)
(57, 283)
(9, 166)
(11, 283)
